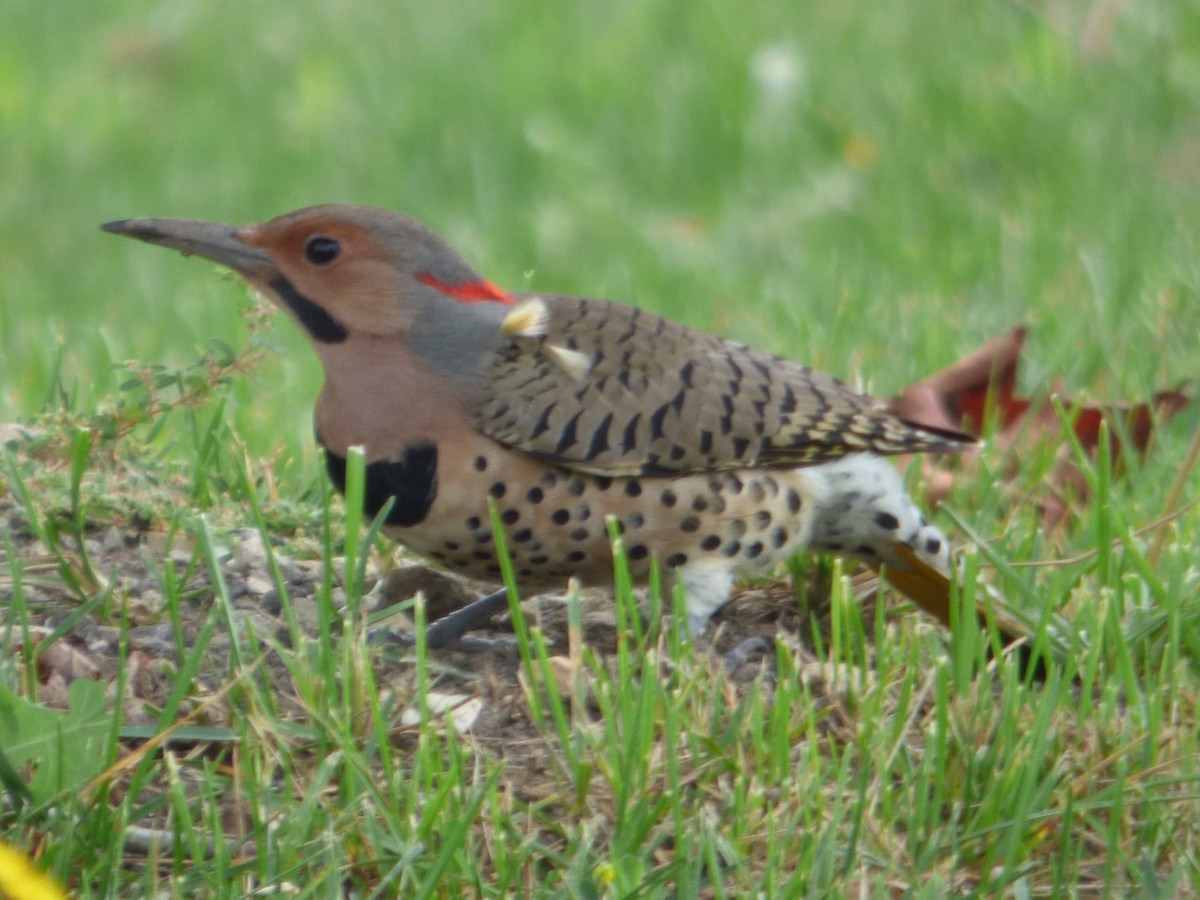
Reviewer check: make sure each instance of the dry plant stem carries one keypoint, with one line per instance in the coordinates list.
(161, 738)
(156, 407)
(1088, 554)
(1173, 495)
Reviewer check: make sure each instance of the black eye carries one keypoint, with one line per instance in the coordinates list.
(321, 250)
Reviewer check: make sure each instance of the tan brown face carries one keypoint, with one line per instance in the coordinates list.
(338, 267)
(341, 270)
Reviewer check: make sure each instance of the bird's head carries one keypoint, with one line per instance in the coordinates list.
(344, 271)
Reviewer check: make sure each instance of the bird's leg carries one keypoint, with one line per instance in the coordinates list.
(452, 627)
(449, 629)
(740, 655)
(707, 588)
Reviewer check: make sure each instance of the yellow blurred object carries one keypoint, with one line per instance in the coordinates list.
(859, 151)
(20, 879)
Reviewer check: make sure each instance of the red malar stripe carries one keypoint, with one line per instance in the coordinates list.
(468, 291)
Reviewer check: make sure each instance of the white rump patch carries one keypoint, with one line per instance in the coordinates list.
(864, 511)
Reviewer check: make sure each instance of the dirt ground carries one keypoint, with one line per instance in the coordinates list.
(136, 562)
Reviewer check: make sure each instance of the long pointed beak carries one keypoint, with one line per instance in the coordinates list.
(192, 237)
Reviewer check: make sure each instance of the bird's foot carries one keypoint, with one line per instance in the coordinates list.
(745, 650)
(450, 629)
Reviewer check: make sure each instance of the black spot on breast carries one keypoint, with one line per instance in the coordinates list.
(668, 498)
(579, 534)
(602, 482)
(576, 556)
(575, 487)
(733, 548)
(411, 479)
(473, 523)
(548, 480)
(638, 551)
(560, 517)
(779, 537)
(689, 524)
(498, 490)
(633, 488)
(316, 320)
(523, 535)
(510, 516)
(793, 501)
(932, 546)
(675, 560)
(712, 542)
(535, 495)
(480, 463)
(753, 551)
(762, 519)
(634, 520)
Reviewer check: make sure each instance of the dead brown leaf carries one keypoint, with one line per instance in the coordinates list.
(982, 387)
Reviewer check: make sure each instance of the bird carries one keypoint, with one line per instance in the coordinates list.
(711, 459)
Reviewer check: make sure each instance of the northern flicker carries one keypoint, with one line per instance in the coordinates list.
(715, 459)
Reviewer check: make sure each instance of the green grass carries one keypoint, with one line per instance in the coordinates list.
(873, 188)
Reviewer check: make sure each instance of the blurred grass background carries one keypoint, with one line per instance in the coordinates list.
(871, 188)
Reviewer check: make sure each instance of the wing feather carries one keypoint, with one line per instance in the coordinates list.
(617, 390)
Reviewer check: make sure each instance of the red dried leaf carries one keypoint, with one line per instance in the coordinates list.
(982, 385)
